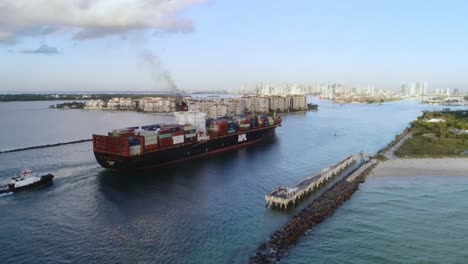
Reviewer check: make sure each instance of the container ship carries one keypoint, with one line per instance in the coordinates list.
(192, 136)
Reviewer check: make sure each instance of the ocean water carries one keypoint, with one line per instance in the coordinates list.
(420, 219)
(212, 210)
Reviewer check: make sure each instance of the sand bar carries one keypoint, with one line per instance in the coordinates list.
(422, 167)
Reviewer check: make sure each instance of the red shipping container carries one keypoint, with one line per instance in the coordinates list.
(112, 145)
(152, 147)
(164, 131)
(166, 142)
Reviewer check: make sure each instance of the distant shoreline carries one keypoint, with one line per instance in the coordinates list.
(35, 97)
(296, 112)
(366, 100)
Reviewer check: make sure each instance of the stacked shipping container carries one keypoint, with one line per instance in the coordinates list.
(165, 137)
(134, 141)
(150, 139)
(190, 133)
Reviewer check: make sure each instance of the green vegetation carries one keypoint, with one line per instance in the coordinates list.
(312, 106)
(420, 146)
(381, 100)
(65, 97)
(67, 105)
(365, 100)
(39, 97)
(437, 134)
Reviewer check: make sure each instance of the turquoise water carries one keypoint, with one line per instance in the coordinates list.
(420, 219)
(212, 210)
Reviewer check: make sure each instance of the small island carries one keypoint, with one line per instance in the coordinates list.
(69, 105)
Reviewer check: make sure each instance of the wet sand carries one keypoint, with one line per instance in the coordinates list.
(422, 167)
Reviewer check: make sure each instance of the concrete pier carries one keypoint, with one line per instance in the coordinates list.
(364, 168)
(283, 197)
(276, 247)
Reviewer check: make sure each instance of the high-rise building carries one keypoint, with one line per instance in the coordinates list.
(408, 89)
(424, 88)
(414, 89)
(418, 89)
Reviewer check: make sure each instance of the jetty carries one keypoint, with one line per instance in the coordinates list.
(47, 146)
(284, 197)
(276, 247)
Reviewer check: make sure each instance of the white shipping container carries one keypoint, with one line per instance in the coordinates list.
(189, 128)
(152, 137)
(191, 135)
(146, 133)
(135, 150)
(151, 142)
(178, 139)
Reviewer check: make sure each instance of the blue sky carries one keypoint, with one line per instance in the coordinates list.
(235, 43)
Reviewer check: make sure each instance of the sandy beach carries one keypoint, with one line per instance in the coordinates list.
(422, 167)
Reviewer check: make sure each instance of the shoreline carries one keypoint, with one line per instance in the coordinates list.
(296, 112)
(422, 167)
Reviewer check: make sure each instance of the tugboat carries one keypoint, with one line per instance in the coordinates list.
(25, 180)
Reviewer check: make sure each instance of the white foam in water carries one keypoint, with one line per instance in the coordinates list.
(5, 194)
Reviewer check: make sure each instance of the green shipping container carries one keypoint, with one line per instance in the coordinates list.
(162, 136)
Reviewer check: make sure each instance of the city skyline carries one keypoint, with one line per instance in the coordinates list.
(214, 45)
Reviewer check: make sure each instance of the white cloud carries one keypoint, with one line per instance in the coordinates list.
(91, 19)
(43, 49)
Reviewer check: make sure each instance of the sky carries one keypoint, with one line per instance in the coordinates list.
(194, 45)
